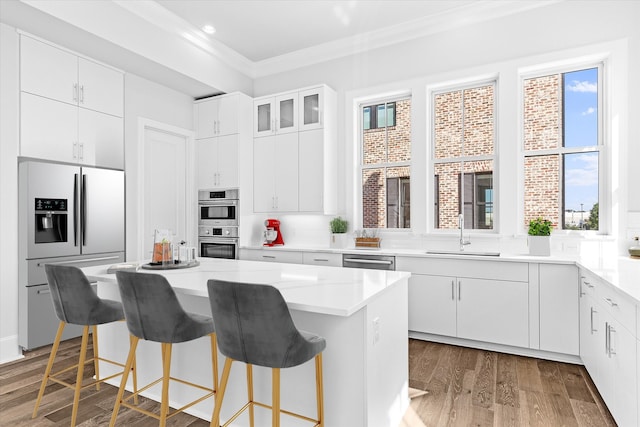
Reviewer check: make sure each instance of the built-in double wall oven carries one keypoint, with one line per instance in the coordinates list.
(218, 223)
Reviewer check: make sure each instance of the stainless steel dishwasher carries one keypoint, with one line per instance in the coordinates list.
(374, 262)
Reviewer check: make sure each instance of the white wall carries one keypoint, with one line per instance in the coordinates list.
(497, 47)
(8, 193)
(143, 98)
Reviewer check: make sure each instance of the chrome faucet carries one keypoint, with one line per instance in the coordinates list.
(463, 242)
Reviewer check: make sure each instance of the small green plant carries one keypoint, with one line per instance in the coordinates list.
(540, 227)
(338, 225)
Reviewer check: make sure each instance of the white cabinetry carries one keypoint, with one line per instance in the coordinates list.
(608, 346)
(71, 107)
(322, 258)
(294, 153)
(559, 308)
(269, 255)
(222, 126)
(488, 302)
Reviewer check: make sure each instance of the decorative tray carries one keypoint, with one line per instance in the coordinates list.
(175, 265)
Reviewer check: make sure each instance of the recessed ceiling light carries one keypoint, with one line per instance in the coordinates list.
(208, 29)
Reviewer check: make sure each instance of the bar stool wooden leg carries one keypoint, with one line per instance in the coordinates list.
(47, 371)
(83, 356)
(133, 371)
(166, 367)
(319, 390)
(96, 362)
(130, 360)
(215, 419)
(214, 361)
(275, 395)
(250, 393)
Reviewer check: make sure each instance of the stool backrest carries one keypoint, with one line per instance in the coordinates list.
(73, 298)
(152, 309)
(253, 325)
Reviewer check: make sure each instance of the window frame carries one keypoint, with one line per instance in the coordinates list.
(604, 170)
(432, 92)
(373, 102)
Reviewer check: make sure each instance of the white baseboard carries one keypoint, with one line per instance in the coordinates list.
(9, 349)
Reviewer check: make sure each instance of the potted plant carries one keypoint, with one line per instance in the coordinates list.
(338, 233)
(539, 237)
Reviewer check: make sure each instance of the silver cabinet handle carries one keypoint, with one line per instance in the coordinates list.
(369, 261)
(459, 290)
(606, 338)
(43, 291)
(75, 92)
(74, 261)
(592, 328)
(82, 94)
(453, 290)
(321, 259)
(611, 302)
(81, 151)
(268, 256)
(74, 150)
(612, 350)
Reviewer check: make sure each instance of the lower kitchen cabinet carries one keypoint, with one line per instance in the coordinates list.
(559, 308)
(329, 259)
(608, 347)
(267, 255)
(432, 304)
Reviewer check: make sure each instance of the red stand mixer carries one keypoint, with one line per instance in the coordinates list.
(272, 234)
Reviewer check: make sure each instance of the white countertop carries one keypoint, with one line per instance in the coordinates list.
(318, 289)
(622, 272)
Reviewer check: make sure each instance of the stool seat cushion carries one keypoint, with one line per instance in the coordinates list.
(254, 325)
(153, 311)
(75, 301)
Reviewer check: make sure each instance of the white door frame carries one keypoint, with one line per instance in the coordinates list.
(145, 124)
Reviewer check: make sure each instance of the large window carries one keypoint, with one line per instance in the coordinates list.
(561, 117)
(385, 164)
(463, 157)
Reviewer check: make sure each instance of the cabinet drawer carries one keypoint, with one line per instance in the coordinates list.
(322, 258)
(272, 256)
(587, 283)
(493, 270)
(619, 306)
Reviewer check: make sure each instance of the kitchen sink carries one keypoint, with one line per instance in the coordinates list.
(468, 253)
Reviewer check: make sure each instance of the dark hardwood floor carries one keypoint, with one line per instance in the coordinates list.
(465, 387)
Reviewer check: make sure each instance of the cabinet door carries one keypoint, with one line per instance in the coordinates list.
(101, 139)
(322, 258)
(432, 304)
(591, 336)
(207, 158)
(311, 170)
(311, 109)
(48, 129)
(206, 116)
(622, 357)
(286, 113)
(559, 318)
(228, 161)
(493, 311)
(264, 157)
(264, 116)
(101, 88)
(285, 167)
(227, 115)
(48, 71)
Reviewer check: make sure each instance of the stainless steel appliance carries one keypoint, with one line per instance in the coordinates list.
(68, 215)
(218, 223)
(374, 262)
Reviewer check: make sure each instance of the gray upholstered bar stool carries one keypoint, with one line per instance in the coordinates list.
(76, 303)
(254, 326)
(154, 313)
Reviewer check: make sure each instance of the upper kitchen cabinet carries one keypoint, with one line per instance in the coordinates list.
(312, 168)
(222, 126)
(60, 75)
(71, 108)
(220, 115)
(275, 114)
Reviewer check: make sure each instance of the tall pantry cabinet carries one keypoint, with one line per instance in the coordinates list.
(223, 131)
(295, 152)
(71, 107)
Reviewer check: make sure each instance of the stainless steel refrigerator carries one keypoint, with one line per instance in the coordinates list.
(69, 215)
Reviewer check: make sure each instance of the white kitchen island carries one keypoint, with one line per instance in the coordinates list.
(361, 313)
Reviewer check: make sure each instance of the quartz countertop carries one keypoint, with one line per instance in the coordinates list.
(319, 289)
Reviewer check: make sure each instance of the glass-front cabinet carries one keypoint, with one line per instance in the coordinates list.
(311, 108)
(276, 114)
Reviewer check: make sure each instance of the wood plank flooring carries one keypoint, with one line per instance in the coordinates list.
(465, 387)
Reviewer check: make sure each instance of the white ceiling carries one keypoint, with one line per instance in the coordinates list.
(259, 30)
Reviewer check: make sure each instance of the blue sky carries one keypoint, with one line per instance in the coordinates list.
(581, 130)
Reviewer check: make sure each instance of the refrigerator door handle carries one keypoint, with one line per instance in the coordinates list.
(83, 206)
(75, 210)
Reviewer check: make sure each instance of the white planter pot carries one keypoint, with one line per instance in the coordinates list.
(539, 245)
(338, 240)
